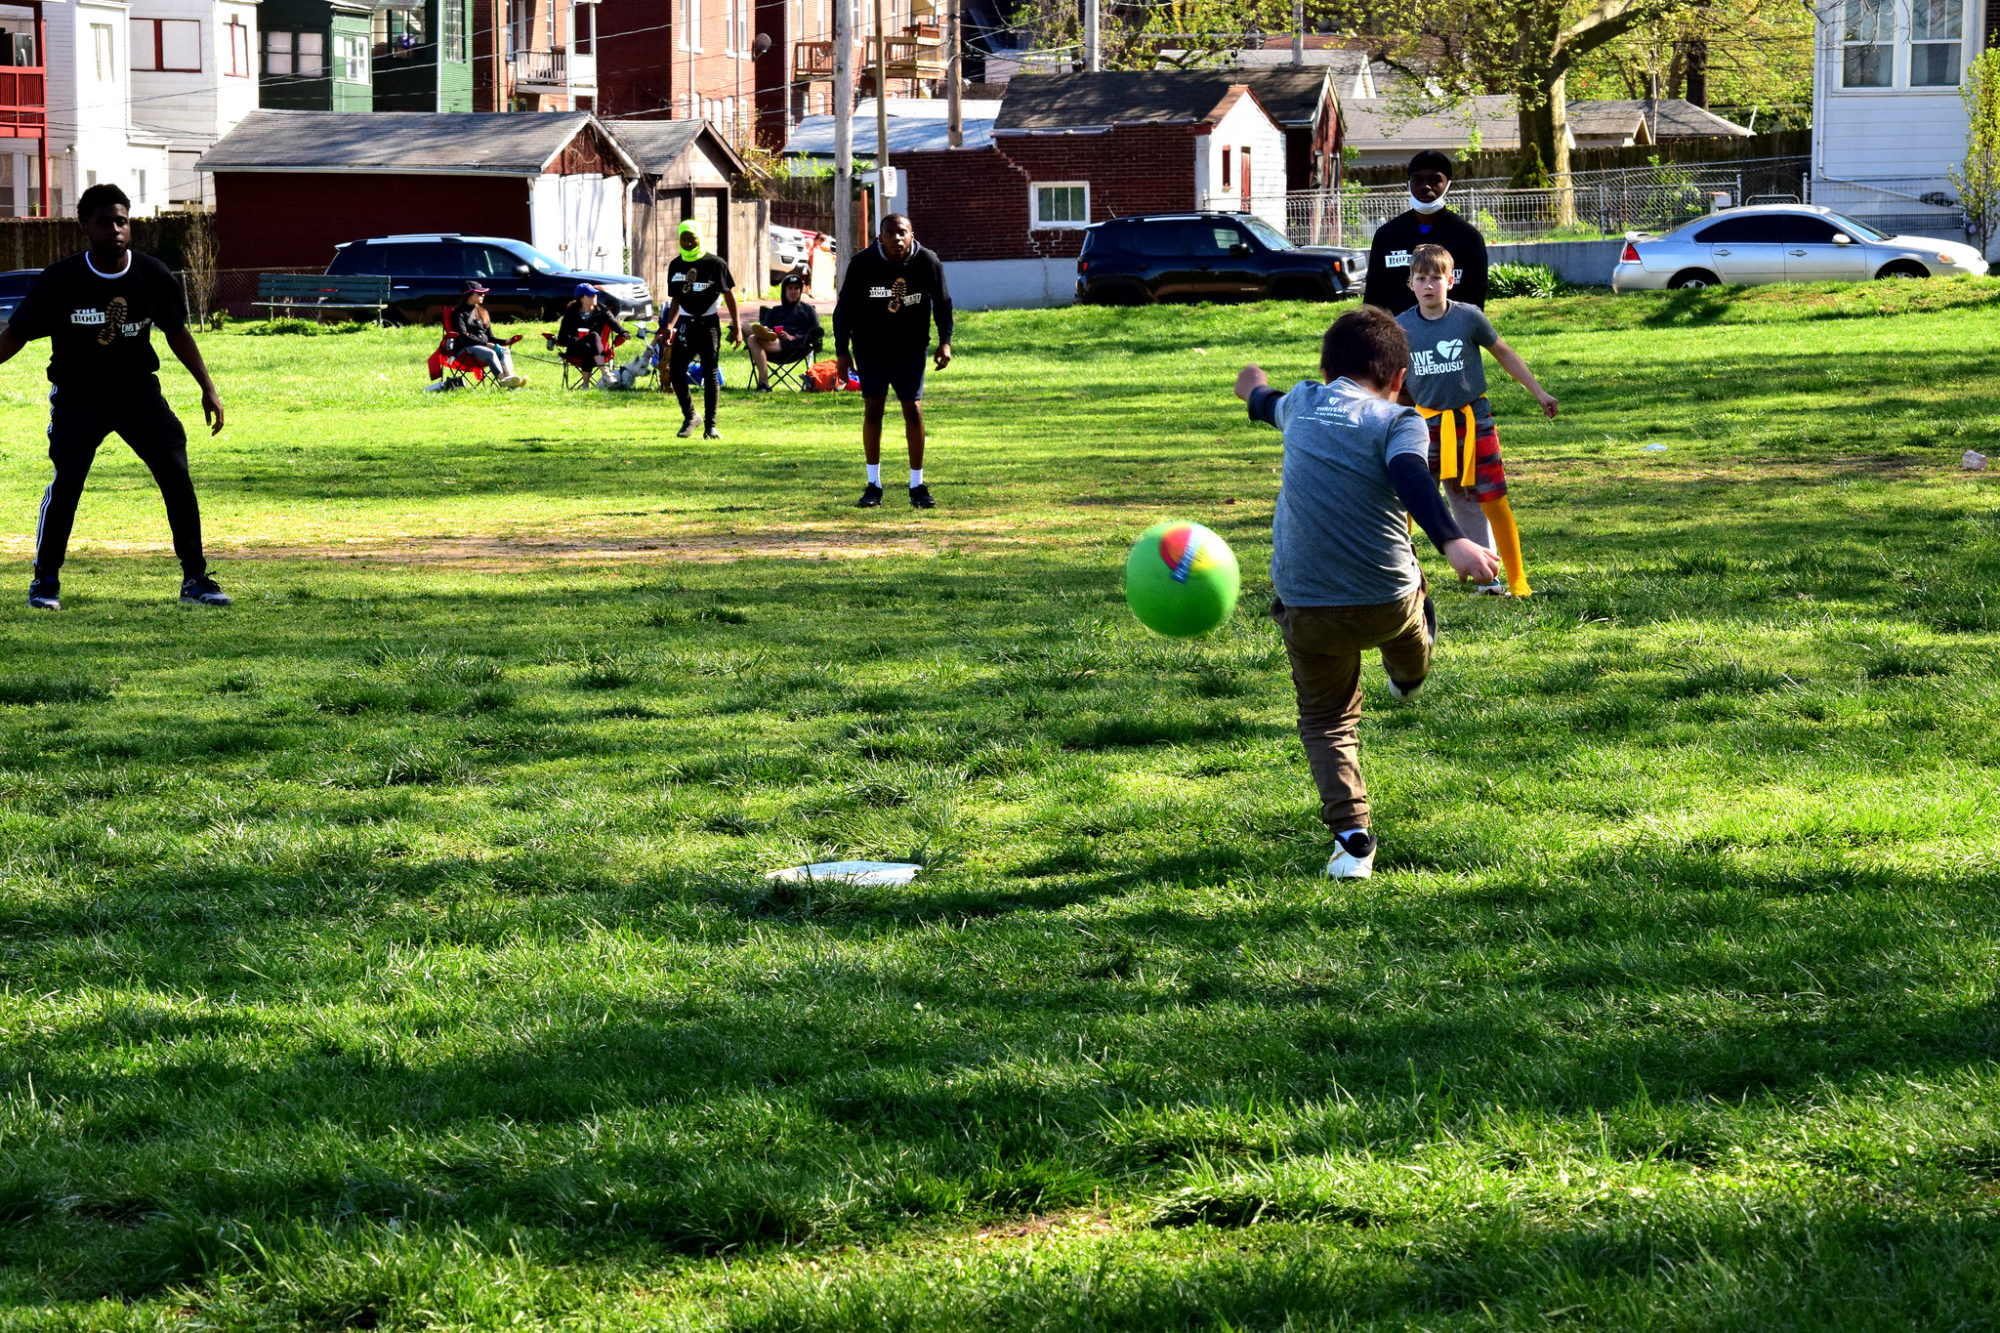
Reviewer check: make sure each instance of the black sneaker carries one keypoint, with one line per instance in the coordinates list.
(920, 497)
(42, 595)
(687, 428)
(709, 432)
(204, 591)
(763, 388)
(871, 497)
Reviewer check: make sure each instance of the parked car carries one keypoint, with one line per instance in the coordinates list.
(1782, 243)
(13, 286)
(1208, 257)
(790, 249)
(428, 270)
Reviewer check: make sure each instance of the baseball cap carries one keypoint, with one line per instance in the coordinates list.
(584, 289)
(472, 287)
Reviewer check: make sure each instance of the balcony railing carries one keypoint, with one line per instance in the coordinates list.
(23, 102)
(916, 53)
(554, 69)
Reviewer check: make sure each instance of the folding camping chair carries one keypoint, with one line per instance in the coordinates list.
(452, 367)
(578, 374)
(787, 373)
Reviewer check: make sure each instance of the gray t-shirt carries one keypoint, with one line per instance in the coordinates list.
(1445, 366)
(1340, 536)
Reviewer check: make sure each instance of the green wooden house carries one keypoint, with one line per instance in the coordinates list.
(317, 55)
(423, 55)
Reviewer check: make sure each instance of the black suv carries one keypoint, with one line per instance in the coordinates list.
(427, 272)
(1208, 257)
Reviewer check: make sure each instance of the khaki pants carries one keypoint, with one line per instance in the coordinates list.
(1325, 644)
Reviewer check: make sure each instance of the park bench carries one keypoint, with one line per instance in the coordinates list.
(294, 292)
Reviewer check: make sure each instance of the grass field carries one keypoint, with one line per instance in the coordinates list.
(392, 951)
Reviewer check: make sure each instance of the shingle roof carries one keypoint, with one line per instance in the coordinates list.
(656, 144)
(1097, 101)
(1678, 118)
(1379, 122)
(470, 143)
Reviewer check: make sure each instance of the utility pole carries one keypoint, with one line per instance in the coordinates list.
(1298, 32)
(1093, 60)
(881, 114)
(954, 69)
(843, 137)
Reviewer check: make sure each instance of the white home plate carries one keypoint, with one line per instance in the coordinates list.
(850, 872)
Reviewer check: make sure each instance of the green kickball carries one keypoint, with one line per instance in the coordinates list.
(1181, 579)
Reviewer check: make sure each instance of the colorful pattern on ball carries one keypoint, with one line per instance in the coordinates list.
(1184, 551)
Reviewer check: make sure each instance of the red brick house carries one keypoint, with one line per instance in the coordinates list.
(1072, 149)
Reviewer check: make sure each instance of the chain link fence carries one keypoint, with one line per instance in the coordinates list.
(1594, 203)
(1907, 205)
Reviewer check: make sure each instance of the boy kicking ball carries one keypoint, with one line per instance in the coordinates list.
(1448, 385)
(1345, 574)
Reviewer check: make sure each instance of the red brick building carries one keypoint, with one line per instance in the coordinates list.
(1072, 149)
(750, 67)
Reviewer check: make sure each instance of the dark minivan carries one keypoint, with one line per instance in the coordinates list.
(427, 272)
(1208, 257)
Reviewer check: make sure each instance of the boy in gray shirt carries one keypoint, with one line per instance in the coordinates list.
(1344, 571)
(1448, 385)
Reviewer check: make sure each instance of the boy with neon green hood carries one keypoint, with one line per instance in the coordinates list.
(697, 282)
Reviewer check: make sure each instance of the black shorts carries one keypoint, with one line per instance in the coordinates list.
(903, 372)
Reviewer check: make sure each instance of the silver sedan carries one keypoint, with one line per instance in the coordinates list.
(1782, 243)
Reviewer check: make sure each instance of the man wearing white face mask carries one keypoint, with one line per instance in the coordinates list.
(1428, 222)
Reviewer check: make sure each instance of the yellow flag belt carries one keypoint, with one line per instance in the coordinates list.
(1452, 463)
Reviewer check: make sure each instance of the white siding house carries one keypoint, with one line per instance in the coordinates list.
(194, 79)
(90, 69)
(1239, 165)
(1888, 124)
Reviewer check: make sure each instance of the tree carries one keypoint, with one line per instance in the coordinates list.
(1525, 48)
(1978, 179)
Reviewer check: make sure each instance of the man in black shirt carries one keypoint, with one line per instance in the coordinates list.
(98, 310)
(1427, 222)
(785, 332)
(892, 292)
(697, 282)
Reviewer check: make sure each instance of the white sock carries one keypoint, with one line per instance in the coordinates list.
(874, 474)
(916, 477)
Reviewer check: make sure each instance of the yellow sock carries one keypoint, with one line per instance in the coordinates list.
(1507, 540)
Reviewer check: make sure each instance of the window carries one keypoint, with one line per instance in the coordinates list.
(1207, 239)
(691, 25)
(1763, 229)
(1153, 240)
(239, 49)
(452, 21)
(1061, 204)
(277, 53)
(1804, 229)
(1225, 168)
(350, 58)
(1937, 35)
(311, 58)
(1868, 52)
(100, 45)
(141, 191)
(398, 32)
(167, 44)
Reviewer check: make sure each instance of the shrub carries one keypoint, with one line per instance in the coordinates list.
(1537, 280)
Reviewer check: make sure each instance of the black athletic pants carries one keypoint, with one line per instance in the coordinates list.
(699, 340)
(79, 419)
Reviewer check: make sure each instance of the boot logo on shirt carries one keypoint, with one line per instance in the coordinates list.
(897, 291)
(897, 295)
(114, 320)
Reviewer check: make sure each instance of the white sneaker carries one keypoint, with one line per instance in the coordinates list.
(1403, 691)
(1353, 857)
(1497, 588)
(515, 382)
(437, 386)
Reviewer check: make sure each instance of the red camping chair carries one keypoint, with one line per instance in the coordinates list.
(578, 373)
(446, 364)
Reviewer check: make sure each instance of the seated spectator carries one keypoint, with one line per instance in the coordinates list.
(469, 337)
(582, 340)
(784, 333)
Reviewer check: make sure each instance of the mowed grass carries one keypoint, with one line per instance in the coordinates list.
(393, 951)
